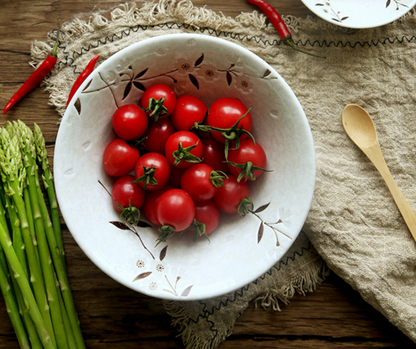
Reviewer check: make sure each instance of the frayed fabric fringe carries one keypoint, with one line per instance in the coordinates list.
(205, 324)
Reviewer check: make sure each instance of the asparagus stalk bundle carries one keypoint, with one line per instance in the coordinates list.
(33, 277)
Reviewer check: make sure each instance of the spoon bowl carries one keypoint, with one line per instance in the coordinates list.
(360, 128)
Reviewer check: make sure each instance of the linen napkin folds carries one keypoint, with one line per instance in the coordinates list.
(353, 223)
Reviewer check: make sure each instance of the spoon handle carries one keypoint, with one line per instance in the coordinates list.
(375, 155)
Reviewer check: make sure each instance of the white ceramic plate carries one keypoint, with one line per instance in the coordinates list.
(207, 67)
(360, 14)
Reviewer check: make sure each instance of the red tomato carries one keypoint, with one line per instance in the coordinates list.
(214, 155)
(130, 122)
(126, 193)
(119, 158)
(224, 113)
(247, 152)
(174, 149)
(153, 170)
(159, 108)
(207, 212)
(230, 194)
(150, 202)
(197, 183)
(157, 134)
(189, 111)
(176, 209)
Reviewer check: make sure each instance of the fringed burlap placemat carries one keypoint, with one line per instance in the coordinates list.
(353, 223)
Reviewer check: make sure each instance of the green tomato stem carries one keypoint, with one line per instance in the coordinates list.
(166, 232)
(184, 154)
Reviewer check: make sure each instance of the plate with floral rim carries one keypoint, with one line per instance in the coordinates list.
(360, 14)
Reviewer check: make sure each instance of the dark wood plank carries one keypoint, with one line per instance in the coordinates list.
(333, 316)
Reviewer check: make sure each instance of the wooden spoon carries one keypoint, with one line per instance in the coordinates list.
(360, 128)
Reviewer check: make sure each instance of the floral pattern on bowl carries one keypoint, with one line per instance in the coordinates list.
(243, 248)
(232, 74)
(359, 14)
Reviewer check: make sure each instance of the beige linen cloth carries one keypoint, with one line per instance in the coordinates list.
(353, 223)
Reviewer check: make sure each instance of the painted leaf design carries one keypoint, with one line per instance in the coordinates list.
(229, 78)
(186, 291)
(260, 232)
(120, 225)
(199, 60)
(163, 253)
(388, 3)
(77, 106)
(139, 85)
(88, 85)
(266, 73)
(142, 276)
(142, 224)
(141, 73)
(344, 18)
(262, 208)
(194, 81)
(127, 89)
(319, 4)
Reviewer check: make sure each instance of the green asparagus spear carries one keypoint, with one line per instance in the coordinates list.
(53, 233)
(27, 144)
(12, 308)
(13, 176)
(42, 155)
(20, 253)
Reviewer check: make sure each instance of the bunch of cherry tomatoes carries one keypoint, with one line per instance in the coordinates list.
(181, 163)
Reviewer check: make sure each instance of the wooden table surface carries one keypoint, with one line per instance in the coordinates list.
(112, 316)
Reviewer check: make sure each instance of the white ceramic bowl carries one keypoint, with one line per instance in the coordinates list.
(180, 269)
(360, 14)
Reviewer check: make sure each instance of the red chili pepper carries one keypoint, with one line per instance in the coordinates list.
(36, 78)
(279, 24)
(81, 78)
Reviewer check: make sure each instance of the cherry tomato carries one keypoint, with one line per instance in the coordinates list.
(196, 181)
(130, 122)
(176, 209)
(230, 194)
(126, 193)
(214, 155)
(153, 170)
(157, 134)
(247, 152)
(154, 105)
(207, 212)
(224, 113)
(175, 149)
(119, 158)
(150, 202)
(190, 110)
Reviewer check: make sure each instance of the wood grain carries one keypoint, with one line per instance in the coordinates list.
(113, 316)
